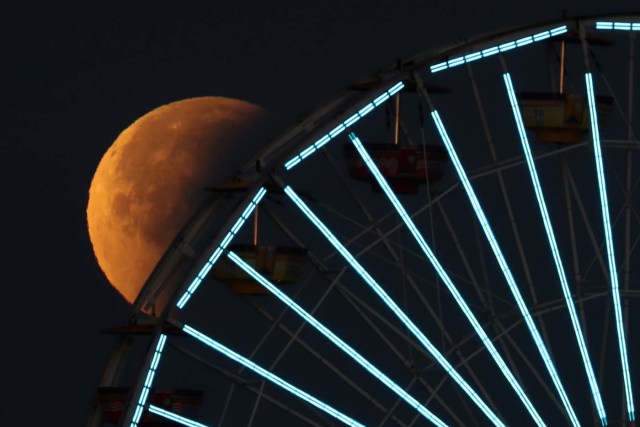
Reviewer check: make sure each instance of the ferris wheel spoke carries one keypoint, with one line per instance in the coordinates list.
(595, 132)
(409, 277)
(445, 277)
(613, 276)
(245, 383)
(215, 345)
(336, 340)
(489, 234)
(334, 368)
(496, 324)
(275, 322)
(503, 189)
(595, 390)
(174, 417)
(524, 260)
(392, 305)
(355, 301)
(628, 186)
(358, 305)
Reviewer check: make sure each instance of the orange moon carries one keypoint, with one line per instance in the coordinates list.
(152, 179)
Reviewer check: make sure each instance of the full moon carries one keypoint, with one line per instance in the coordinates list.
(152, 179)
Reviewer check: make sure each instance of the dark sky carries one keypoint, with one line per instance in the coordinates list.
(74, 79)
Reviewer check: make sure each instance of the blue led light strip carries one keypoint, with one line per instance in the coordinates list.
(623, 26)
(613, 276)
(270, 376)
(221, 247)
(174, 417)
(344, 125)
(445, 278)
(595, 391)
(393, 306)
(146, 388)
(337, 341)
(474, 56)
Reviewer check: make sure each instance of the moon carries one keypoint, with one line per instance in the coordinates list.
(152, 179)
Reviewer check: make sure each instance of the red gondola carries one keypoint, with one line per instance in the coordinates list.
(184, 402)
(404, 167)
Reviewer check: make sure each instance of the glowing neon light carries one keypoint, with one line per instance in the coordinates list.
(613, 277)
(445, 277)
(336, 131)
(488, 52)
(146, 388)
(270, 376)
(507, 46)
(221, 247)
(379, 100)
(393, 306)
(495, 49)
(351, 120)
(622, 26)
(174, 417)
(595, 391)
(472, 57)
(524, 41)
(337, 341)
(395, 88)
(366, 110)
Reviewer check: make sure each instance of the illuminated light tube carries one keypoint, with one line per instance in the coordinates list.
(524, 41)
(445, 278)
(351, 120)
(305, 153)
(541, 36)
(472, 57)
(337, 341)
(270, 376)
(495, 49)
(393, 306)
(366, 110)
(490, 51)
(613, 277)
(221, 247)
(379, 100)
(438, 67)
(595, 391)
(146, 388)
(395, 88)
(335, 132)
(174, 417)
(323, 141)
(455, 62)
(623, 26)
(507, 46)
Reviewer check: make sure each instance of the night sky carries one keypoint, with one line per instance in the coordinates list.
(74, 79)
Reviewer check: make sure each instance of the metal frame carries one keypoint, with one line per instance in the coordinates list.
(164, 288)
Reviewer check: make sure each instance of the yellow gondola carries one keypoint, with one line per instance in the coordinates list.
(281, 265)
(562, 118)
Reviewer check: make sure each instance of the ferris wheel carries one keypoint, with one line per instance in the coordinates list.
(449, 241)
